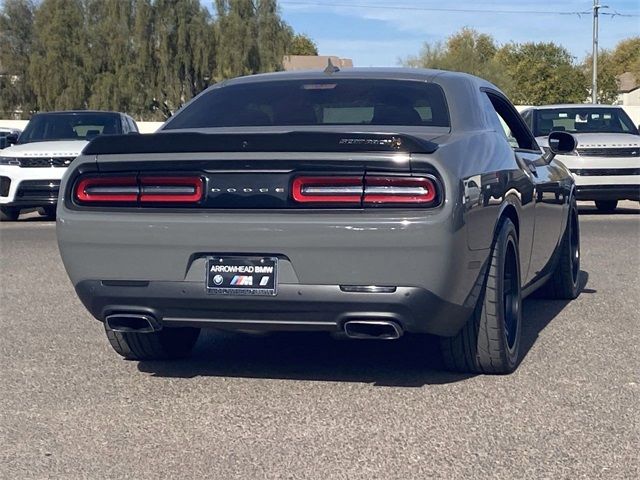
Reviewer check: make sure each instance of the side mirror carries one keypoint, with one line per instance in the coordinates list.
(562, 142)
(12, 138)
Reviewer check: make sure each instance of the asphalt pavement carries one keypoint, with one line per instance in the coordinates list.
(312, 406)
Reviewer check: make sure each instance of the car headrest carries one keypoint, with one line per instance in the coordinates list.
(395, 115)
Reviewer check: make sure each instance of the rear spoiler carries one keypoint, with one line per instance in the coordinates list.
(258, 142)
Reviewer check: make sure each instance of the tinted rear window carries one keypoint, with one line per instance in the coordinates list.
(317, 102)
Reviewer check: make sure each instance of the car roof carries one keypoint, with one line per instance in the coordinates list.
(572, 105)
(62, 112)
(380, 73)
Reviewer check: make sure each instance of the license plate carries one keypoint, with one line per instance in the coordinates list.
(242, 275)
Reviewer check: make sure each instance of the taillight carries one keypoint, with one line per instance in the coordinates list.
(139, 190)
(107, 189)
(327, 189)
(367, 191)
(171, 189)
(393, 190)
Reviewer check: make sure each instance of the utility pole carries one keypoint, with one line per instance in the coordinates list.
(594, 56)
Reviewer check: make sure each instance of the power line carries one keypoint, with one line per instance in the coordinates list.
(452, 10)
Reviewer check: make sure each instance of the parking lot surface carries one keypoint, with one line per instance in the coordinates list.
(311, 406)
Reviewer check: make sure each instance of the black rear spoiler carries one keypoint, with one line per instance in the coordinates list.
(258, 142)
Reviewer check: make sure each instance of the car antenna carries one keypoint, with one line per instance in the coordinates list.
(331, 68)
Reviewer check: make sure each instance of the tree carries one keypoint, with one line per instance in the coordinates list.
(58, 68)
(542, 73)
(16, 40)
(143, 80)
(301, 44)
(529, 73)
(466, 51)
(109, 27)
(144, 57)
(236, 33)
(607, 72)
(184, 44)
(625, 57)
(274, 36)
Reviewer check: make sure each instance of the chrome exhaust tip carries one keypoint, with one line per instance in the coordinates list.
(373, 329)
(132, 322)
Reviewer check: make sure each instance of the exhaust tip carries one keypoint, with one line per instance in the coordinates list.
(373, 329)
(132, 322)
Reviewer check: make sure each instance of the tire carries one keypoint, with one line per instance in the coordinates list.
(490, 340)
(166, 344)
(49, 212)
(9, 214)
(606, 205)
(564, 282)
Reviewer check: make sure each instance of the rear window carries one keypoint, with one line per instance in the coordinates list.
(317, 102)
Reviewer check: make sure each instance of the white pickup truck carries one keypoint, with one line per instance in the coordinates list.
(32, 166)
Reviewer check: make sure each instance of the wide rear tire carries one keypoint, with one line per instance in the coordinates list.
(607, 206)
(564, 283)
(9, 214)
(490, 341)
(166, 344)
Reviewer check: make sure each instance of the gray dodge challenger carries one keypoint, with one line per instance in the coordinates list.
(367, 202)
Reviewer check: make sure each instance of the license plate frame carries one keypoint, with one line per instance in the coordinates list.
(242, 275)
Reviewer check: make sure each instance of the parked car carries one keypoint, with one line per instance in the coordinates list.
(31, 168)
(606, 164)
(373, 202)
(6, 132)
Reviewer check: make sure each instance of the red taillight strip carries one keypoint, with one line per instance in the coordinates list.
(327, 189)
(384, 190)
(141, 190)
(107, 189)
(171, 189)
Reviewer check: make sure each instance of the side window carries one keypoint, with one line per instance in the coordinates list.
(132, 125)
(526, 116)
(125, 124)
(514, 128)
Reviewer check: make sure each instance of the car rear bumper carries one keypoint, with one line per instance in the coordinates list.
(295, 307)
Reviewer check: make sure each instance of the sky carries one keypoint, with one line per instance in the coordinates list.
(398, 28)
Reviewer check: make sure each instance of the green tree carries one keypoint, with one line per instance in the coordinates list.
(625, 57)
(184, 46)
(301, 44)
(466, 51)
(59, 70)
(109, 28)
(274, 36)
(142, 81)
(542, 73)
(236, 27)
(16, 39)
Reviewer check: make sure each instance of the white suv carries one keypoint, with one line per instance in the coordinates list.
(606, 164)
(31, 169)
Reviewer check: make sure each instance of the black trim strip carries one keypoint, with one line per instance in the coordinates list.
(258, 142)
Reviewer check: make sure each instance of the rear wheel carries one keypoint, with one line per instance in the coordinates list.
(606, 205)
(490, 341)
(166, 344)
(49, 212)
(9, 214)
(564, 282)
